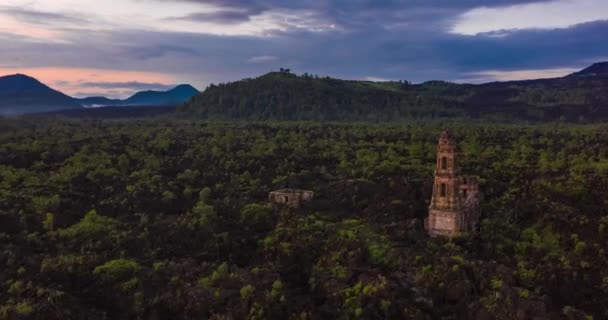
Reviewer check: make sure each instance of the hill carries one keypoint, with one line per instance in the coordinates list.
(150, 98)
(286, 96)
(22, 94)
(177, 95)
(597, 69)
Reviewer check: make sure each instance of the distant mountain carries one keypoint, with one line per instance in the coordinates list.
(597, 69)
(177, 95)
(21, 94)
(286, 96)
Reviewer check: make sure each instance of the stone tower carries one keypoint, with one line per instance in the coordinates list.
(454, 205)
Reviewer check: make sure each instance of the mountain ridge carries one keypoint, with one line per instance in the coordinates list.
(283, 95)
(23, 94)
(20, 93)
(177, 95)
(287, 96)
(596, 69)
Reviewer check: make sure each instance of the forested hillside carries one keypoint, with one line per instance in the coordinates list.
(286, 96)
(169, 219)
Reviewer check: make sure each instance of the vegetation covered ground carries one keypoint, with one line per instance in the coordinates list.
(169, 220)
(287, 96)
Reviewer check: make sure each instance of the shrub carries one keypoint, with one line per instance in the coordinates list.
(159, 266)
(526, 277)
(547, 242)
(49, 222)
(205, 213)
(205, 195)
(24, 309)
(168, 197)
(427, 269)
(129, 285)
(496, 284)
(458, 259)
(221, 272)
(524, 293)
(117, 270)
(379, 252)
(16, 288)
(90, 226)
(277, 289)
(580, 247)
(257, 214)
(247, 292)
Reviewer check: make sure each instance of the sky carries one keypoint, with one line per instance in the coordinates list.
(114, 48)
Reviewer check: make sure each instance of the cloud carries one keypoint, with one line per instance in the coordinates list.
(41, 17)
(133, 85)
(202, 42)
(222, 17)
(74, 80)
(103, 93)
(12, 30)
(262, 59)
(542, 15)
(392, 54)
(511, 75)
(158, 51)
(377, 79)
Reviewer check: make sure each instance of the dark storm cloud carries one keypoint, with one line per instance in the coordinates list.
(374, 52)
(347, 13)
(396, 8)
(381, 39)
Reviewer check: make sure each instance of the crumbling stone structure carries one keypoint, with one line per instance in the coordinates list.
(291, 197)
(454, 205)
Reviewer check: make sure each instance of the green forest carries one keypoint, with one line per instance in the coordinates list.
(169, 218)
(287, 96)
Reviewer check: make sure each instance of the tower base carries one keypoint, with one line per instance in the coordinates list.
(442, 223)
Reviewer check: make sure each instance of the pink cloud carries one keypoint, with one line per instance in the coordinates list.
(70, 80)
(10, 26)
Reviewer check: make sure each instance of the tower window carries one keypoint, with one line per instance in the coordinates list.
(444, 163)
(443, 190)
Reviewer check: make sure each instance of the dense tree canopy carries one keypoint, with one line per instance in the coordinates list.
(169, 219)
(286, 96)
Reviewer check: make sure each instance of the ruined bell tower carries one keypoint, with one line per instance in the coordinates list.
(454, 205)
